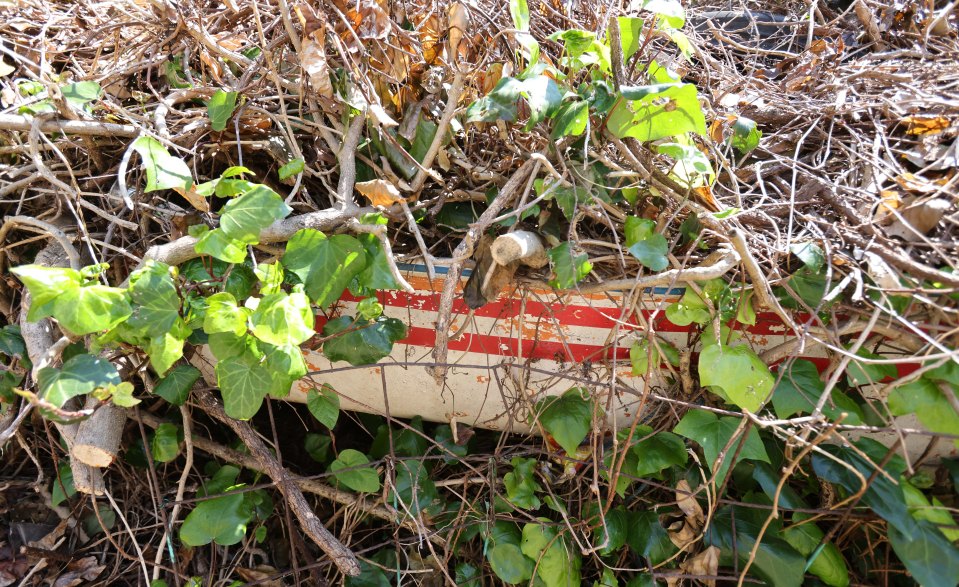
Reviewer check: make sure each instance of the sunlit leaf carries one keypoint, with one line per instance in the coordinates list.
(352, 469)
(220, 108)
(164, 171)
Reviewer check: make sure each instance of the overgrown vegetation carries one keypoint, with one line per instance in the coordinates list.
(259, 167)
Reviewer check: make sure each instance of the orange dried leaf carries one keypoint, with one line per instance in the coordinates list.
(926, 125)
(196, 200)
(379, 192)
(458, 18)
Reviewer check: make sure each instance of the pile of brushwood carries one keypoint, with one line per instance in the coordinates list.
(212, 175)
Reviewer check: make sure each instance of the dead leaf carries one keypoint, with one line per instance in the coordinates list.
(926, 125)
(918, 218)
(688, 504)
(916, 183)
(380, 192)
(6, 69)
(196, 200)
(705, 563)
(683, 535)
(458, 18)
(80, 572)
(261, 575)
(313, 55)
(369, 20)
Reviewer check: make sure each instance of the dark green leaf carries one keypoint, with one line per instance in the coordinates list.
(499, 104)
(318, 446)
(243, 383)
(63, 487)
(165, 445)
(776, 562)
(660, 451)
(361, 344)
(644, 243)
(713, 434)
(745, 135)
(377, 274)
(571, 120)
(324, 404)
(520, 484)
(11, 342)
(811, 254)
(799, 390)
(325, 265)
(351, 468)
(568, 418)
(414, 491)
(648, 538)
(222, 520)
(220, 109)
(568, 268)
(81, 374)
(175, 387)
(543, 96)
(931, 559)
(862, 373)
(828, 564)
(509, 563)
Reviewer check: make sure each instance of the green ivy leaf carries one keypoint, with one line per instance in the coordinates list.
(377, 275)
(544, 98)
(166, 349)
(285, 365)
(745, 135)
(568, 418)
(82, 94)
(414, 490)
(519, 12)
(156, 301)
(630, 34)
(931, 559)
(175, 387)
(557, 564)
(318, 446)
(63, 487)
(639, 355)
(244, 217)
(11, 342)
(324, 404)
(571, 120)
(165, 445)
(568, 268)
(243, 383)
(281, 319)
(648, 538)
(91, 308)
(649, 113)
(294, 167)
(224, 315)
(811, 254)
(660, 451)
(361, 344)
(325, 265)
(220, 108)
(78, 375)
(509, 563)
(739, 374)
(934, 511)
(270, 276)
(222, 520)
(688, 310)
(692, 167)
(351, 468)
(612, 529)
(45, 284)
(670, 11)
(164, 171)
(499, 104)
(218, 245)
(861, 373)
(520, 484)
(776, 562)
(644, 243)
(712, 433)
(928, 402)
(828, 564)
(799, 390)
